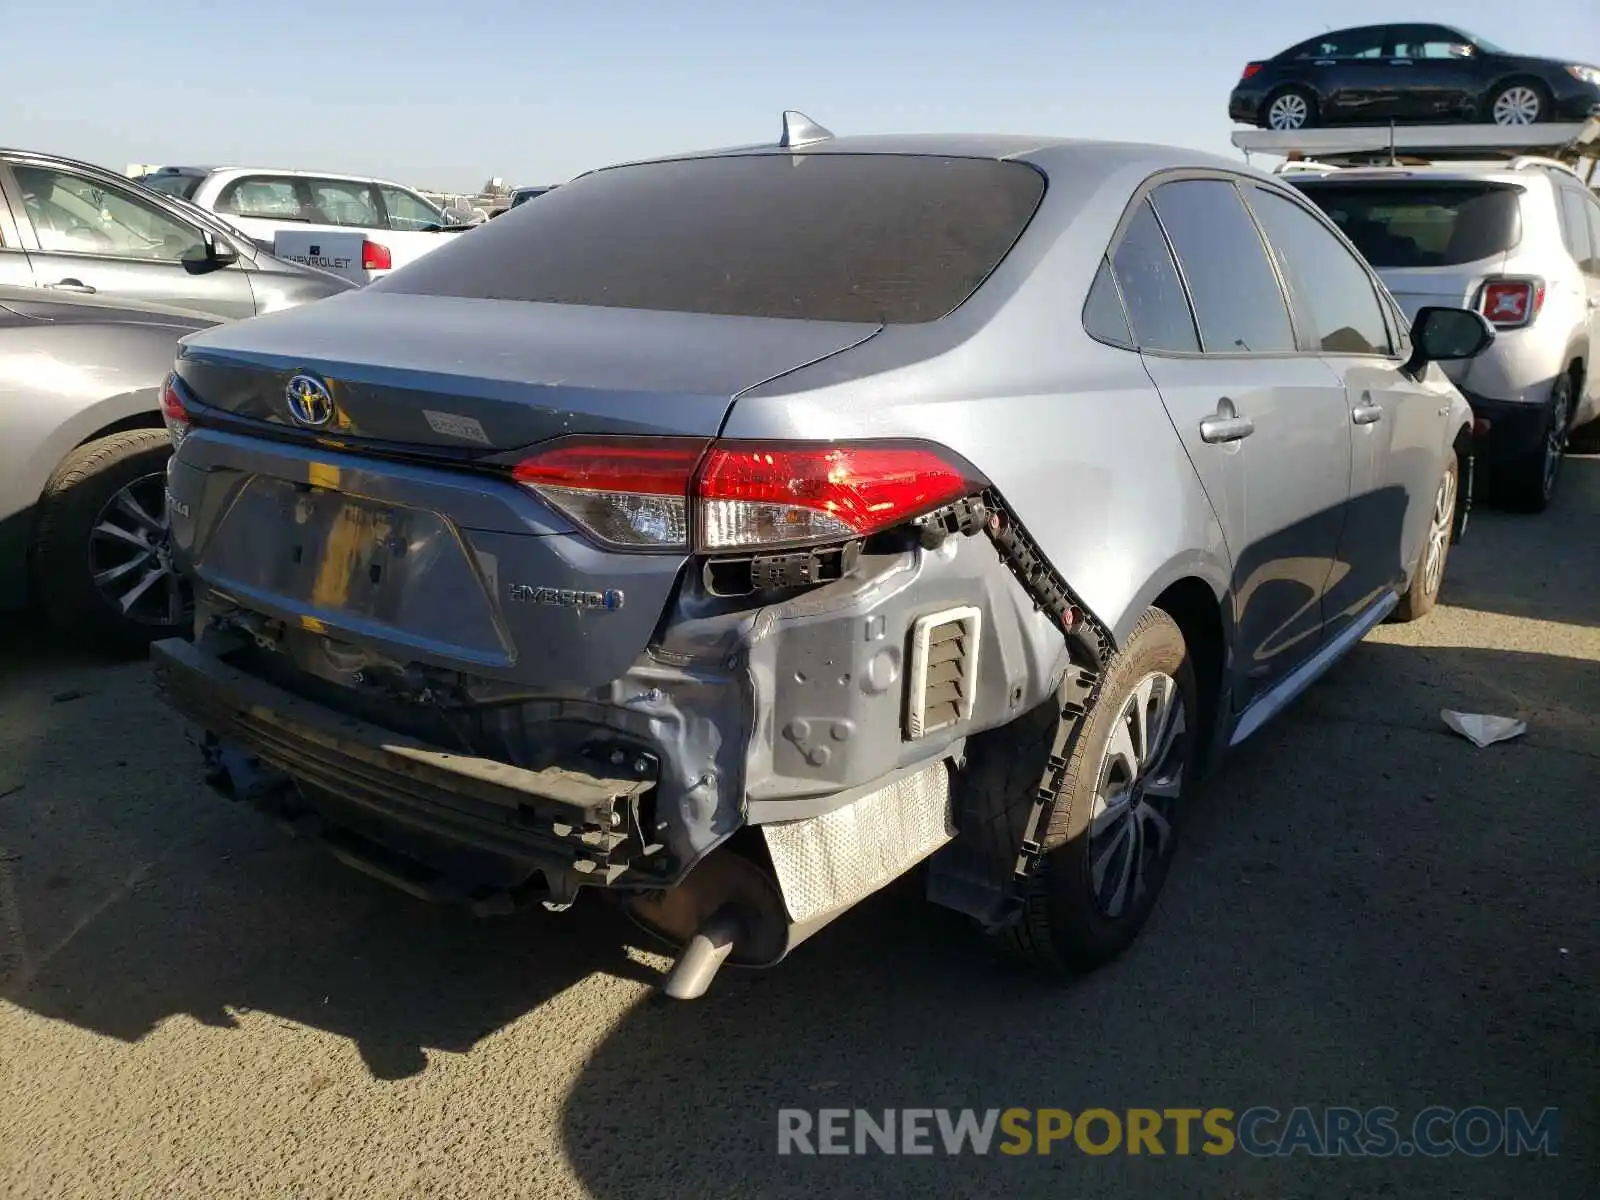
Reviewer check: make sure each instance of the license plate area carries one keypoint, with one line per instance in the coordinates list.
(355, 562)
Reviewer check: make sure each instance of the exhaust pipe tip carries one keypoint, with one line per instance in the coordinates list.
(703, 957)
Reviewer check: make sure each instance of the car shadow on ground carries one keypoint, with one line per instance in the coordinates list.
(1367, 911)
(1546, 566)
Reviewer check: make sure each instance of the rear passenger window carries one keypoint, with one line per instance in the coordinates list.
(340, 202)
(1103, 318)
(1577, 229)
(269, 199)
(1158, 310)
(1237, 300)
(1334, 298)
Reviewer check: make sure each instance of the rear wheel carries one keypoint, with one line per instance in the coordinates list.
(1114, 828)
(102, 572)
(1423, 594)
(1292, 108)
(1520, 102)
(1530, 482)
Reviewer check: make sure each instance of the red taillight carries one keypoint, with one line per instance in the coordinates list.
(173, 413)
(1511, 303)
(626, 492)
(777, 495)
(644, 494)
(1250, 69)
(375, 257)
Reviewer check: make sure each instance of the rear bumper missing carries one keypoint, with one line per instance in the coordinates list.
(445, 815)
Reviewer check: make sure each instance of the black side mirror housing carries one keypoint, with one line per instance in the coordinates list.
(1445, 334)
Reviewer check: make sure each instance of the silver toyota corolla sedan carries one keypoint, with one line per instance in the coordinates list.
(731, 533)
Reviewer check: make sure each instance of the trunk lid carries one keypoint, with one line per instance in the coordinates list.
(494, 375)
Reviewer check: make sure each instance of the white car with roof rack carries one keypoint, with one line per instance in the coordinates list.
(1468, 216)
(357, 226)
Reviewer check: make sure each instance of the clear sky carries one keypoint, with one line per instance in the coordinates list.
(447, 94)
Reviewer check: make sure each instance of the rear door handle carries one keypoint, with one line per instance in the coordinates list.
(1367, 414)
(1226, 426)
(70, 285)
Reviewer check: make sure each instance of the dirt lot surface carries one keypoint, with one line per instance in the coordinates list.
(1367, 911)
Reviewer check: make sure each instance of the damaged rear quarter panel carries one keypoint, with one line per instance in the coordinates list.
(827, 669)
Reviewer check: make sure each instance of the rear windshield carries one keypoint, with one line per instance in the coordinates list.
(895, 239)
(183, 186)
(1422, 224)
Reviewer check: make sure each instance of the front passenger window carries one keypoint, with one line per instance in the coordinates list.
(72, 214)
(1334, 298)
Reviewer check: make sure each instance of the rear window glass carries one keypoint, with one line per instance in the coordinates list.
(898, 239)
(1404, 224)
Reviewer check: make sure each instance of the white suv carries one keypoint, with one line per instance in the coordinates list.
(398, 222)
(1520, 242)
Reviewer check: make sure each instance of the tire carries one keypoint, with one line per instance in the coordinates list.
(1519, 102)
(1423, 593)
(1528, 484)
(104, 511)
(1067, 923)
(1291, 100)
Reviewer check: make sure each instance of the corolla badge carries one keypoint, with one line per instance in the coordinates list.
(309, 400)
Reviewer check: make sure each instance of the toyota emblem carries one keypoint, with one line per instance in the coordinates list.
(309, 400)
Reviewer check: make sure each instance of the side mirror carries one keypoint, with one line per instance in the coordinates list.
(1445, 334)
(220, 252)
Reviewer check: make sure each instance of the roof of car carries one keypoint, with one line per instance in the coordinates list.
(999, 146)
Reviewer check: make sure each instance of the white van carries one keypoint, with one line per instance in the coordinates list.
(394, 224)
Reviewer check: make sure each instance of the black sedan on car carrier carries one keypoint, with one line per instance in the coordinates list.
(1410, 73)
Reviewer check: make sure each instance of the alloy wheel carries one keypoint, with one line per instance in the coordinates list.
(1517, 105)
(129, 559)
(1141, 774)
(1288, 111)
(1444, 515)
(1555, 444)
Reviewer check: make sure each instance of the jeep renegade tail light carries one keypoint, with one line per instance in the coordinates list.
(173, 414)
(645, 494)
(1511, 303)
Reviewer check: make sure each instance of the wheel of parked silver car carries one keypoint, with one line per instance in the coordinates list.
(1291, 108)
(102, 570)
(1114, 827)
(1530, 482)
(1517, 104)
(1423, 593)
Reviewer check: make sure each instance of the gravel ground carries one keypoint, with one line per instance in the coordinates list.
(1367, 911)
